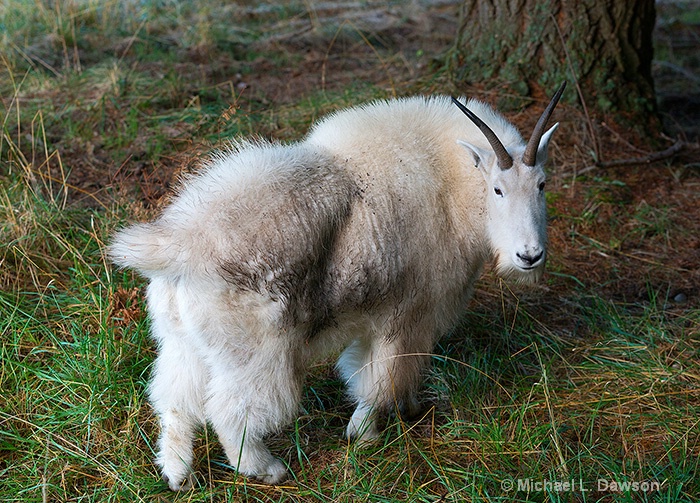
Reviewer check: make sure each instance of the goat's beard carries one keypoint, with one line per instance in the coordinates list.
(507, 270)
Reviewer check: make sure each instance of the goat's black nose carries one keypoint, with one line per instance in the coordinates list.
(530, 260)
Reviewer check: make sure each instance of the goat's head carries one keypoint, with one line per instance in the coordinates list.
(515, 181)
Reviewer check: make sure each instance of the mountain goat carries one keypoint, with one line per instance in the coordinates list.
(367, 237)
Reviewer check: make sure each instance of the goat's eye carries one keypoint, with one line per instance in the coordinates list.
(541, 186)
(498, 191)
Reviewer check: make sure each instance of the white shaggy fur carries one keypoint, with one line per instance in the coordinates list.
(367, 235)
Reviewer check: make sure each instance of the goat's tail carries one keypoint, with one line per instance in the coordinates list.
(146, 247)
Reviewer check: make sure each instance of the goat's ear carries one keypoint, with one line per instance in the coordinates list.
(481, 156)
(544, 145)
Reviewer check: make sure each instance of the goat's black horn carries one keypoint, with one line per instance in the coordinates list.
(505, 161)
(530, 155)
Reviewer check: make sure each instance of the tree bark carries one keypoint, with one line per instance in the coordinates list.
(529, 46)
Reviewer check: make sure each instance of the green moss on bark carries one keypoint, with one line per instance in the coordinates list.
(520, 45)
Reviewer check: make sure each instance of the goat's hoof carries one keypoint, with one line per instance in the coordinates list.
(275, 473)
(364, 435)
(410, 409)
(183, 485)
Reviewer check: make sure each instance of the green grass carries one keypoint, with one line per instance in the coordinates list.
(103, 101)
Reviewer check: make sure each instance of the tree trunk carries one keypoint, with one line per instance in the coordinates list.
(530, 46)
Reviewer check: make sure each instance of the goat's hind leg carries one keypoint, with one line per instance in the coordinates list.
(176, 388)
(251, 397)
(242, 417)
(255, 377)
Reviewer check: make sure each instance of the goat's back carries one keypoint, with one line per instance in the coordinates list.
(247, 204)
(378, 204)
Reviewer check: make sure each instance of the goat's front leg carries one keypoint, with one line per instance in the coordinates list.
(362, 427)
(382, 372)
